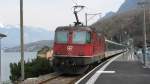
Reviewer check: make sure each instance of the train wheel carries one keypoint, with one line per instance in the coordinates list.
(80, 69)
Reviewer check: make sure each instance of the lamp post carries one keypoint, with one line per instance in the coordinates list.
(22, 39)
(144, 31)
(1, 36)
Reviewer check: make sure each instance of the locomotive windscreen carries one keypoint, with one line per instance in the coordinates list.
(81, 37)
(61, 37)
(76, 37)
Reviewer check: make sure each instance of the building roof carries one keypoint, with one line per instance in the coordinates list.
(2, 35)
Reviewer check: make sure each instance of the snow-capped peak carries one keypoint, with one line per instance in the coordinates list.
(2, 25)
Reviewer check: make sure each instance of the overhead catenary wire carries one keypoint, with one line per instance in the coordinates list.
(94, 15)
(76, 3)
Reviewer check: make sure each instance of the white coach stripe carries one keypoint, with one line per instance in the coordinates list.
(93, 79)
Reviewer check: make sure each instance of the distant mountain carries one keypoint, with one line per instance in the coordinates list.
(32, 47)
(131, 4)
(109, 14)
(31, 34)
(128, 5)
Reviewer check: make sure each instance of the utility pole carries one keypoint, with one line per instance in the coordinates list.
(144, 31)
(86, 17)
(1, 36)
(22, 40)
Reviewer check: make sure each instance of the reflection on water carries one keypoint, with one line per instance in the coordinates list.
(14, 57)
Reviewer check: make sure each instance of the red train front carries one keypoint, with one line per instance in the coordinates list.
(75, 48)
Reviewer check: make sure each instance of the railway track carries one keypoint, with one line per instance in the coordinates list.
(57, 78)
(61, 79)
(41, 79)
(53, 76)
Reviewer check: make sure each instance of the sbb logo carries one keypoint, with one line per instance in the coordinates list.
(69, 48)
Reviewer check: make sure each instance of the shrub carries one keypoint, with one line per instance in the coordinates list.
(36, 67)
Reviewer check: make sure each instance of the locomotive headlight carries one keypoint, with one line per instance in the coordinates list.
(57, 53)
(81, 54)
(62, 63)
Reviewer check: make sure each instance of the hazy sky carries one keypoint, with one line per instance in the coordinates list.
(52, 13)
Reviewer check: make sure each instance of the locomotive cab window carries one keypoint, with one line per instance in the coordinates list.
(61, 37)
(81, 37)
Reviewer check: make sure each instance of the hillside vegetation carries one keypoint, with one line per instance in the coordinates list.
(126, 23)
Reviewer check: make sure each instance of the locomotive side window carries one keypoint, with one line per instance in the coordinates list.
(81, 37)
(61, 36)
(88, 37)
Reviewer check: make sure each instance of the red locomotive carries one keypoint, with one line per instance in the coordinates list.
(77, 47)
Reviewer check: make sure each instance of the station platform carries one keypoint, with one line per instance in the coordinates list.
(122, 69)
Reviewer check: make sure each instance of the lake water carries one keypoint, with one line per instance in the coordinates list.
(14, 57)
